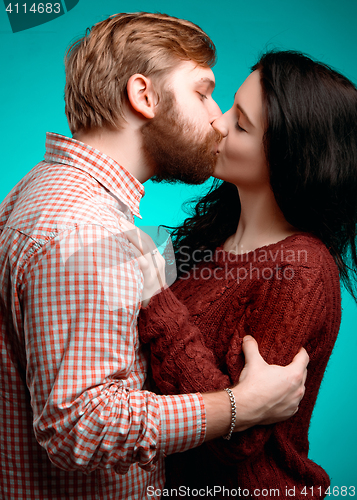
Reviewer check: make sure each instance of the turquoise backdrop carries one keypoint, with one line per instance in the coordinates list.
(31, 89)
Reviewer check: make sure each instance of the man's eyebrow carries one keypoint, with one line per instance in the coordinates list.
(211, 84)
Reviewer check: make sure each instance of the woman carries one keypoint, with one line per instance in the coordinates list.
(262, 255)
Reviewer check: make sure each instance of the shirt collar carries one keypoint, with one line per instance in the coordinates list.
(120, 182)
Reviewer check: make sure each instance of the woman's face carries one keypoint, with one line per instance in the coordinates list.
(241, 158)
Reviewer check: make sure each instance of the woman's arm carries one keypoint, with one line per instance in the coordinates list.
(182, 363)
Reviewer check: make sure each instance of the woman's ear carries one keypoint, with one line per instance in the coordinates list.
(141, 95)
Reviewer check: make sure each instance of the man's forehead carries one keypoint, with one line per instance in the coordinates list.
(189, 70)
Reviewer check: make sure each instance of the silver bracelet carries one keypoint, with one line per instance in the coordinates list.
(234, 413)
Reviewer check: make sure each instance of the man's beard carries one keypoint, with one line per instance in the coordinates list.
(174, 148)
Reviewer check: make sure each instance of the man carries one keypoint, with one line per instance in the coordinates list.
(77, 421)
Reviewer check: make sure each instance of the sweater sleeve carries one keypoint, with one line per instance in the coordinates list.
(180, 361)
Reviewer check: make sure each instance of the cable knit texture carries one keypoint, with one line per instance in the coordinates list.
(286, 295)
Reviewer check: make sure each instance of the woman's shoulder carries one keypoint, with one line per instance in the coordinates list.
(305, 250)
(312, 266)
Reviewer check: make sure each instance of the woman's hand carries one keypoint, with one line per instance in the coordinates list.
(151, 262)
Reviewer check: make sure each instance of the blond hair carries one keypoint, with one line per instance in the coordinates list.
(99, 65)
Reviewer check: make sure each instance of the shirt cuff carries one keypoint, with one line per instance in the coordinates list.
(182, 422)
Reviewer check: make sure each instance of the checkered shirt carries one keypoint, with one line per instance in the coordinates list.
(76, 420)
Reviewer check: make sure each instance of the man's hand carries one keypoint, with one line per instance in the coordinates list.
(266, 394)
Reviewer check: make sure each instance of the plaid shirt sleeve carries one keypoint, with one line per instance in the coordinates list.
(85, 369)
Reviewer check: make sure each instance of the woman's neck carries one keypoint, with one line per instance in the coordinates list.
(261, 223)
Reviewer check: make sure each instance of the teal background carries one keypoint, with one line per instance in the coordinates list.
(31, 90)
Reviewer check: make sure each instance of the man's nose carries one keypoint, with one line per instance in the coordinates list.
(220, 125)
(215, 112)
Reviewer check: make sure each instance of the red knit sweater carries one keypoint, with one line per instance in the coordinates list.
(286, 295)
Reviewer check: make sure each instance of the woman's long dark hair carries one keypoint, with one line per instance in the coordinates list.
(311, 149)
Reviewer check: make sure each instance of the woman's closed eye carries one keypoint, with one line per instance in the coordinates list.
(238, 127)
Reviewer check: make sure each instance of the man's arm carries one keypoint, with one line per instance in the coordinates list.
(265, 394)
(80, 297)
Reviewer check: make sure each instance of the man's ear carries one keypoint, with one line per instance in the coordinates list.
(141, 95)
